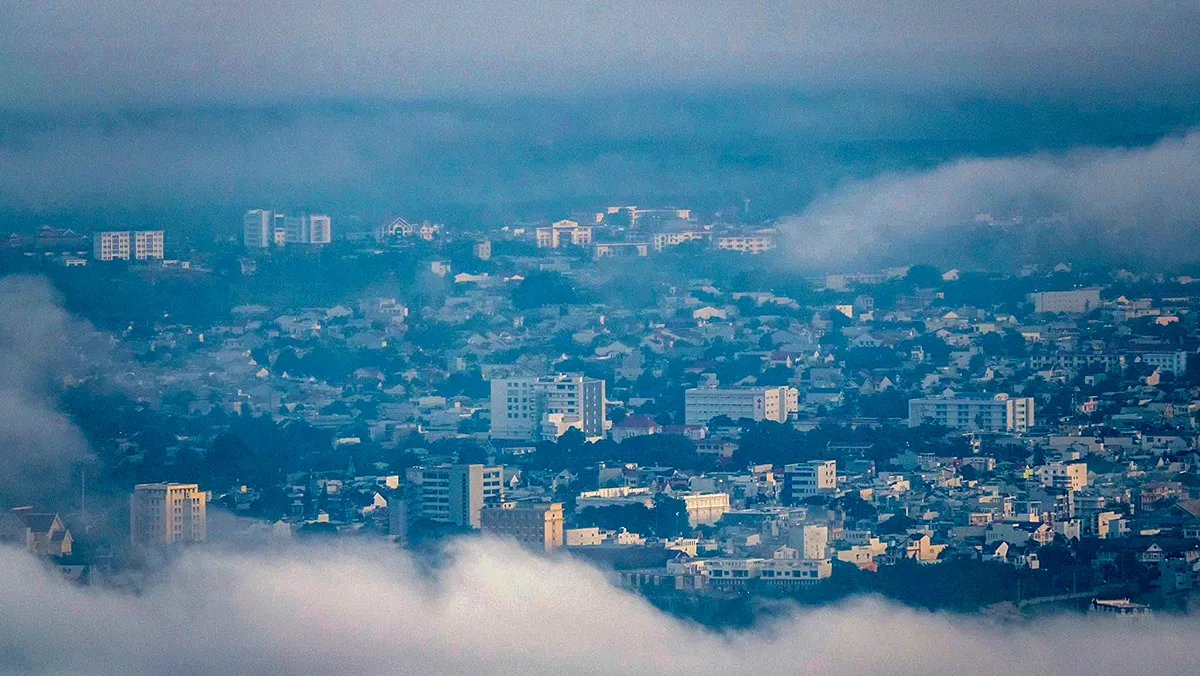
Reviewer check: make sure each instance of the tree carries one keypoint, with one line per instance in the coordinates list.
(543, 287)
(670, 516)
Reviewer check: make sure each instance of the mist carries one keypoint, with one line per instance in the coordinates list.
(363, 609)
(1122, 204)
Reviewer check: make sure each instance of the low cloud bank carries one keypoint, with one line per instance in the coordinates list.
(367, 610)
(1121, 204)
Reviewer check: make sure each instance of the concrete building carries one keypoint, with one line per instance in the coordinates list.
(546, 406)
(563, 233)
(535, 525)
(705, 508)
(702, 404)
(138, 245)
(167, 514)
(998, 413)
(258, 229)
(1068, 476)
(811, 541)
(1076, 301)
(755, 243)
(482, 249)
(805, 479)
(457, 493)
(1175, 362)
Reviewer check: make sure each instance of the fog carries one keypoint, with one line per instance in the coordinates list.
(1125, 204)
(39, 344)
(99, 54)
(366, 610)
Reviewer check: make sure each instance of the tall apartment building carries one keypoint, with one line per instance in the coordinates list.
(258, 229)
(563, 233)
(702, 404)
(546, 406)
(534, 525)
(262, 228)
(139, 245)
(805, 479)
(457, 493)
(755, 243)
(1066, 476)
(165, 514)
(998, 413)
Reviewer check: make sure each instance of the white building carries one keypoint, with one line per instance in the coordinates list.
(705, 508)
(811, 541)
(139, 245)
(1077, 301)
(262, 228)
(457, 493)
(755, 243)
(1175, 362)
(998, 413)
(165, 514)
(702, 404)
(563, 233)
(258, 229)
(1070, 476)
(547, 406)
(805, 479)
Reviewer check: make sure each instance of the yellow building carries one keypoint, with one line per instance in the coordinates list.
(164, 514)
(534, 525)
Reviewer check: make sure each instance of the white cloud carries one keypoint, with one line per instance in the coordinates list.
(366, 610)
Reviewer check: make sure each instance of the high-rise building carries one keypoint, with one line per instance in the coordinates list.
(546, 407)
(258, 229)
(702, 404)
(456, 493)
(996, 413)
(805, 479)
(140, 245)
(536, 525)
(165, 514)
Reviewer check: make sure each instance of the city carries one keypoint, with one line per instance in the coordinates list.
(694, 338)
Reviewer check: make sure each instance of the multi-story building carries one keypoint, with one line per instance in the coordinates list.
(1067, 476)
(996, 413)
(166, 514)
(534, 525)
(663, 240)
(805, 479)
(258, 229)
(1175, 362)
(755, 243)
(563, 233)
(705, 508)
(702, 404)
(457, 493)
(1077, 301)
(140, 245)
(545, 407)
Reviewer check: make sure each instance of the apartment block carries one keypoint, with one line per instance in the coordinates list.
(167, 514)
(140, 245)
(805, 479)
(702, 404)
(457, 493)
(545, 407)
(535, 525)
(998, 413)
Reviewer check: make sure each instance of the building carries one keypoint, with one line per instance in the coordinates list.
(755, 243)
(167, 514)
(1067, 476)
(482, 249)
(811, 541)
(662, 240)
(37, 532)
(307, 229)
(803, 480)
(1077, 301)
(563, 233)
(620, 250)
(705, 508)
(998, 413)
(139, 245)
(1175, 362)
(258, 229)
(535, 525)
(457, 493)
(546, 406)
(702, 404)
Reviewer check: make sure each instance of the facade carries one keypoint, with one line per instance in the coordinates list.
(999, 413)
(805, 479)
(545, 407)
(702, 404)
(535, 525)
(258, 229)
(457, 493)
(662, 240)
(563, 233)
(705, 508)
(752, 244)
(1077, 301)
(38, 532)
(167, 514)
(1067, 476)
(139, 245)
(1175, 362)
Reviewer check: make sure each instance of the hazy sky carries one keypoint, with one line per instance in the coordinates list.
(365, 610)
(94, 53)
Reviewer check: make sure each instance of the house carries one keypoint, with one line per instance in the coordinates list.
(635, 426)
(38, 532)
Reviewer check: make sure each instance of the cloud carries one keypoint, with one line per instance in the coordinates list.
(39, 343)
(366, 610)
(1119, 203)
(169, 52)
